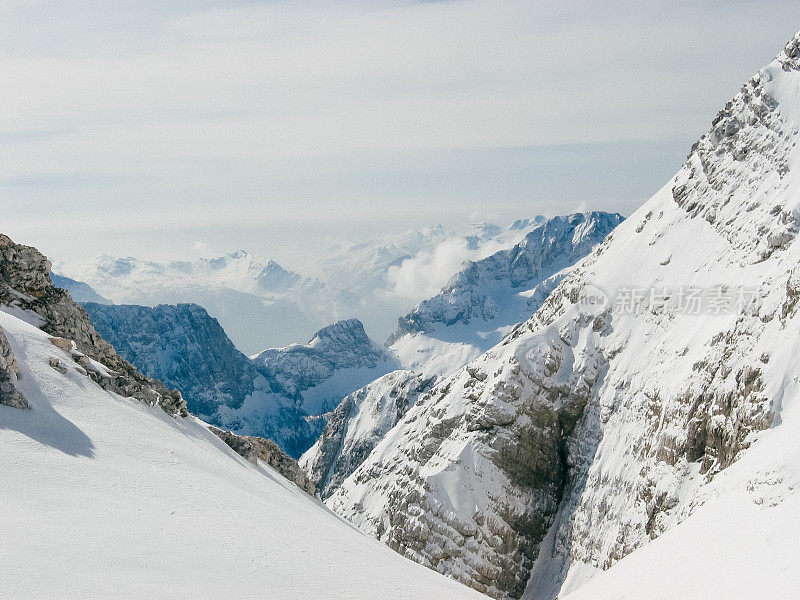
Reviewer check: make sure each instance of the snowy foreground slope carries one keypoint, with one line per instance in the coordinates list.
(483, 301)
(653, 396)
(106, 497)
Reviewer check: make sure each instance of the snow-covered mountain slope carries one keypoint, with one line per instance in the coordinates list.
(259, 303)
(280, 393)
(741, 543)
(184, 347)
(610, 416)
(356, 426)
(107, 497)
(80, 291)
(481, 303)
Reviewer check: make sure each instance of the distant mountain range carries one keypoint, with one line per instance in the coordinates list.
(263, 305)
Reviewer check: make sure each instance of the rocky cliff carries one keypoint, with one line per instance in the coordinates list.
(26, 290)
(183, 346)
(283, 393)
(605, 419)
(356, 426)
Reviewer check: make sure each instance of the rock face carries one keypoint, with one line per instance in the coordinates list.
(607, 418)
(338, 357)
(184, 347)
(282, 393)
(9, 372)
(356, 426)
(26, 289)
(267, 451)
(481, 303)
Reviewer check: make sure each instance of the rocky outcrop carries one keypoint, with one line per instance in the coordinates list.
(9, 372)
(25, 287)
(283, 393)
(337, 347)
(356, 426)
(257, 449)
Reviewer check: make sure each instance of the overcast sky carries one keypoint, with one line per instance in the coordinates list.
(145, 127)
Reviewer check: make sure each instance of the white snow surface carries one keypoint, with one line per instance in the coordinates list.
(668, 399)
(103, 497)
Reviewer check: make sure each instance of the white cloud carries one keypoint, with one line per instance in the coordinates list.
(424, 275)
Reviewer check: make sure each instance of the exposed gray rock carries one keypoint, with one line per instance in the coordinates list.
(356, 426)
(255, 448)
(57, 365)
(9, 373)
(25, 285)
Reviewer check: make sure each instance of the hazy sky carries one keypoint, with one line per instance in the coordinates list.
(145, 127)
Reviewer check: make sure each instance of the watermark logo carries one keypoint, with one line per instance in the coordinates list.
(592, 300)
(681, 300)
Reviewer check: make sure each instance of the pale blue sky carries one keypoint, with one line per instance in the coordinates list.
(143, 127)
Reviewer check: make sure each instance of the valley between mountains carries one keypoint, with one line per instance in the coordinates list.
(590, 406)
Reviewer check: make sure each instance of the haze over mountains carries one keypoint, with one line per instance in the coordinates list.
(263, 305)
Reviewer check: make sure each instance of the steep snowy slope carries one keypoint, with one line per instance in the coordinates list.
(740, 543)
(356, 426)
(259, 303)
(610, 416)
(481, 303)
(279, 394)
(106, 497)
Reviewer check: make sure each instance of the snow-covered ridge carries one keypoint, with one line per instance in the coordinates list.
(482, 302)
(593, 429)
(258, 302)
(262, 304)
(339, 356)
